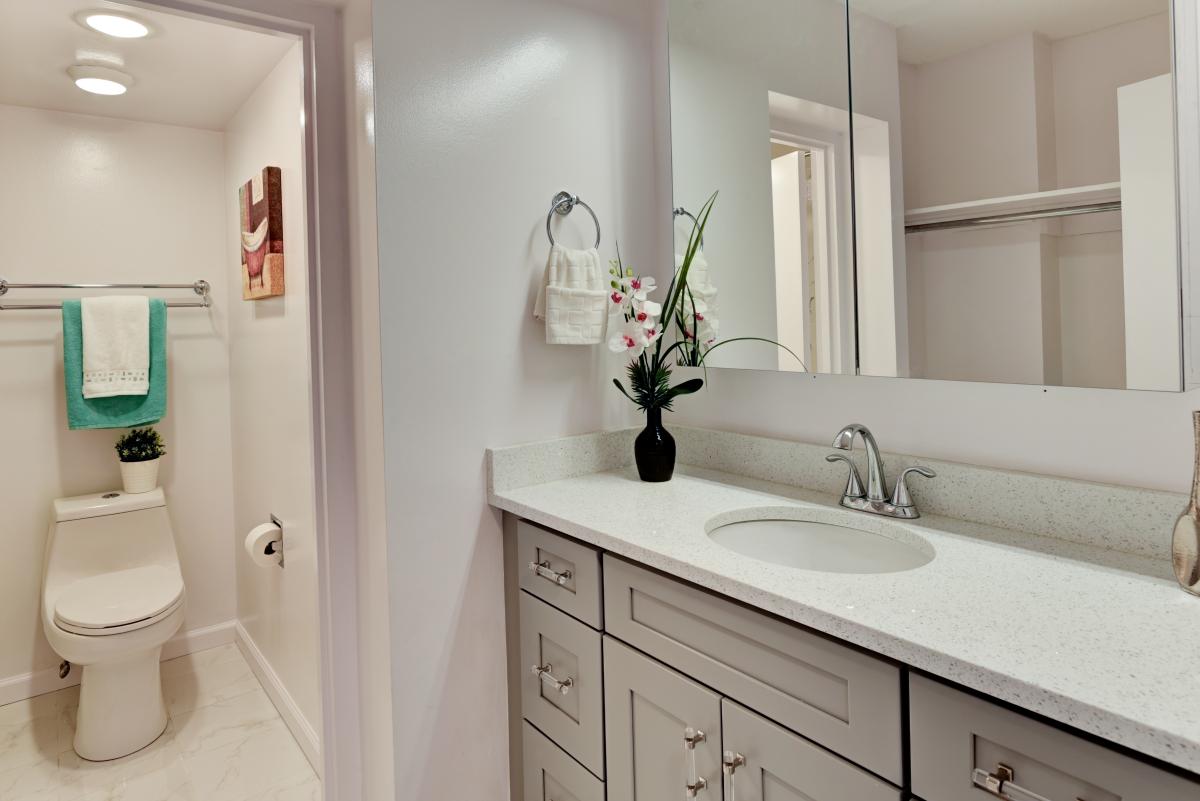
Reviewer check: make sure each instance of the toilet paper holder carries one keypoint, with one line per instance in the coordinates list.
(277, 545)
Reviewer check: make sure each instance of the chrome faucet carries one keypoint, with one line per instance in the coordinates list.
(874, 499)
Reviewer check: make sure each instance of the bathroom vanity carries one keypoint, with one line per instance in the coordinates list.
(649, 661)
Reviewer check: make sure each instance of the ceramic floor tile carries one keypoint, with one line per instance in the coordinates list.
(225, 742)
(190, 663)
(208, 684)
(161, 756)
(261, 761)
(38, 781)
(214, 726)
(29, 741)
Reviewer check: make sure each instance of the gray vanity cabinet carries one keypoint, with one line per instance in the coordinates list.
(635, 686)
(651, 713)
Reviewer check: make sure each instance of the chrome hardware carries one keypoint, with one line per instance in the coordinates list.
(564, 203)
(694, 782)
(901, 497)
(544, 570)
(874, 500)
(854, 487)
(201, 288)
(730, 762)
(1000, 784)
(546, 675)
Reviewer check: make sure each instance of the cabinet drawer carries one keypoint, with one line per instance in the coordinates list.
(954, 733)
(562, 573)
(551, 775)
(845, 700)
(783, 767)
(561, 684)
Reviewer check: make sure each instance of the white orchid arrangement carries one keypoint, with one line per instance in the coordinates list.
(641, 336)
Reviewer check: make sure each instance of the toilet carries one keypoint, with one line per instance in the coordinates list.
(112, 595)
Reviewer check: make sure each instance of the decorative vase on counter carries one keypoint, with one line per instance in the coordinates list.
(138, 477)
(654, 449)
(1185, 545)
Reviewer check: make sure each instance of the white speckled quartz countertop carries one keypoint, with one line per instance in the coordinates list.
(1102, 648)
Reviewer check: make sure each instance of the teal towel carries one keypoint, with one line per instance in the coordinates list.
(121, 411)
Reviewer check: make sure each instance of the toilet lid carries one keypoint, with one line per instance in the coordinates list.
(119, 598)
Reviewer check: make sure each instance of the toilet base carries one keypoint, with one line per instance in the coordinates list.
(121, 707)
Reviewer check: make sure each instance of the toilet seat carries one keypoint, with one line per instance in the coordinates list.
(124, 600)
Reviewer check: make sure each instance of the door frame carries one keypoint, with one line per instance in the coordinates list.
(319, 31)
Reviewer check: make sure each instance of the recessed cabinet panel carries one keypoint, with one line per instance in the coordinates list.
(551, 775)
(561, 683)
(779, 766)
(843, 699)
(650, 711)
(958, 738)
(560, 571)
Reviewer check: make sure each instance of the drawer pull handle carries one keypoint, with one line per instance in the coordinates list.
(730, 762)
(544, 570)
(546, 676)
(1000, 784)
(695, 783)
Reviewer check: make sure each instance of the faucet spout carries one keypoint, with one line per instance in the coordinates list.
(845, 441)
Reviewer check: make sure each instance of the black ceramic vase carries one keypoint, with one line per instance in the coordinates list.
(654, 449)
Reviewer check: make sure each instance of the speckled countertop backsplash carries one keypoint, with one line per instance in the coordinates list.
(1124, 519)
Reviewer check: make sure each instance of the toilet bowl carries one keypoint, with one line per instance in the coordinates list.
(112, 595)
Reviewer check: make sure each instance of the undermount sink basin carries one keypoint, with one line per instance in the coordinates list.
(824, 540)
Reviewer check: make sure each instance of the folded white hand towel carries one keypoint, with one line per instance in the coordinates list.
(573, 298)
(116, 345)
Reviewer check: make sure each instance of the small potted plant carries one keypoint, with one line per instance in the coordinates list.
(139, 451)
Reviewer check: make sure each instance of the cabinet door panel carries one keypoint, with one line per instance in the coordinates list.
(780, 766)
(648, 708)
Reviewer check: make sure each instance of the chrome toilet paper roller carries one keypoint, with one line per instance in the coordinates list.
(264, 543)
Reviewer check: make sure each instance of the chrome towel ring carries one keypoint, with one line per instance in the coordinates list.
(564, 203)
(682, 212)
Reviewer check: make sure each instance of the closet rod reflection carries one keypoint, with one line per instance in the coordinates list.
(1020, 216)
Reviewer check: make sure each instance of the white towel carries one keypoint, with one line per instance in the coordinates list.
(573, 298)
(699, 280)
(116, 345)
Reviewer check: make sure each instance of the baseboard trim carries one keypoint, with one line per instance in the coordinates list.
(27, 685)
(289, 711)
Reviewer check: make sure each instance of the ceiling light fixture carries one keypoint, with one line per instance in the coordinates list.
(121, 26)
(100, 80)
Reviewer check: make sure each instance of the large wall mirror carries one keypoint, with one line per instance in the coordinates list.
(974, 191)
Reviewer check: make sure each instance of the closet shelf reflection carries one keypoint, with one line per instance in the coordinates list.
(1016, 208)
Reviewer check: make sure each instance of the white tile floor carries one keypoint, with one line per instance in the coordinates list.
(224, 742)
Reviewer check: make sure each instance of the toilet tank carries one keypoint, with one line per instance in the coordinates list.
(101, 533)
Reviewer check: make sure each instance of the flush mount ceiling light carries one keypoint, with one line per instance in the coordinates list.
(100, 80)
(110, 23)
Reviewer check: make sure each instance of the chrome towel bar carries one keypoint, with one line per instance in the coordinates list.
(201, 288)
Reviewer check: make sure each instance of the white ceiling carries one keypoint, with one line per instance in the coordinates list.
(188, 72)
(929, 30)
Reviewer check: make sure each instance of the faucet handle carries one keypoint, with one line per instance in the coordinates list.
(854, 487)
(901, 497)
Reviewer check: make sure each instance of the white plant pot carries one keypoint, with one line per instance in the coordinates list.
(139, 476)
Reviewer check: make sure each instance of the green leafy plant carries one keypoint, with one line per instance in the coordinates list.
(140, 445)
